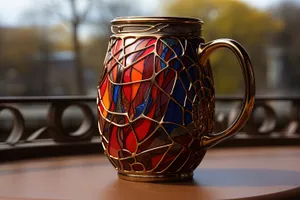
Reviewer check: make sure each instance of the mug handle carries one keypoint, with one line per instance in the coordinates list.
(204, 51)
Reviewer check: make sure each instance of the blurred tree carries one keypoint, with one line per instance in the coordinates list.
(236, 20)
(38, 18)
(94, 53)
(61, 38)
(1, 35)
(27, 49)
(288, 39)
(50, 37)
(75, 20)
(18, 46)
(105, 11)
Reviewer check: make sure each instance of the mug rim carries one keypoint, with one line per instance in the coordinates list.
(153, 19)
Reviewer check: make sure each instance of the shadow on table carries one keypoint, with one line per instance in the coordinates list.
(204, 180)
(242, 178)
(293, 194)
(245, 177)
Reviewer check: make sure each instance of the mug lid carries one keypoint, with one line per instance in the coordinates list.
(145, 19)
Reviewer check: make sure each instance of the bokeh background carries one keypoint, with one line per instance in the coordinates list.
(56, 47)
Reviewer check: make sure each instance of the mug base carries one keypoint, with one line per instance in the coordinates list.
(155, 177)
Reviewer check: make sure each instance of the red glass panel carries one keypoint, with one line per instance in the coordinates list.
(168, 55)
(156, 159)
(103, 87)
(101, 120)
(112, 106)
(118, 46)
(125, 101)
(183, 139)
(159, 47)
(148, 50)
(159, 79)
(157, 64)
(179, 162)
(130, 140)
(114, 146)
(137, 45)
(141, 94)
(141, 128)
(113, 61)
(137, 167)
(148, 68)
(127, 75)
(127, 88)
(168, 81)
(114, 73)
(169, 157)
(124, 154)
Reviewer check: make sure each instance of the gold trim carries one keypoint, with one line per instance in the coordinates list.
(144, 19)
(124, 163)
(204, 51)
(155, 177)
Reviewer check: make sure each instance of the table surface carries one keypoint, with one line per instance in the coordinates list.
(223, 174)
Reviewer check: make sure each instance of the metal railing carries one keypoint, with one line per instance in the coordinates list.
(275, 121)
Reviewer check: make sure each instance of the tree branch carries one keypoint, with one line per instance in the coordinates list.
(86, 11)
(75, 17)
(60, 15)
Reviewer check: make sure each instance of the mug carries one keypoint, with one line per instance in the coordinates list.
(156, 98)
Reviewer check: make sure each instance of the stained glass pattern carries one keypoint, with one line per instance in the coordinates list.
(154, 102)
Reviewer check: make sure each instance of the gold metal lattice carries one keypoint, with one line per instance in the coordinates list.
(176, 96)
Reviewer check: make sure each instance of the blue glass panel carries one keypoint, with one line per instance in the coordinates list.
(206, 83)
(183, 41)
(196, 100)
(169, 127)
(200, 92)
(162, 63)
(194, 44)
(191, 51)
(192, 94)
(188, 105)
(187, 61)
(178, 49)
(174, 113)
(185, 79)
(207, 93)
(179, 93)
(175, 64)
(122, 108)
(187, 118)
(166, 51)
(116, 93)
(139, 109)
(197, 85)
(170, 41)
(193, 72)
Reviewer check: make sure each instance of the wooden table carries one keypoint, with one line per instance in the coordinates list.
(223, 174)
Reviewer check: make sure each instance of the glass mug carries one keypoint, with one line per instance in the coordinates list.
(156, 97)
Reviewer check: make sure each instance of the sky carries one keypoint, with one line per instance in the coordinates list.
(261, 3)
(10, 10)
